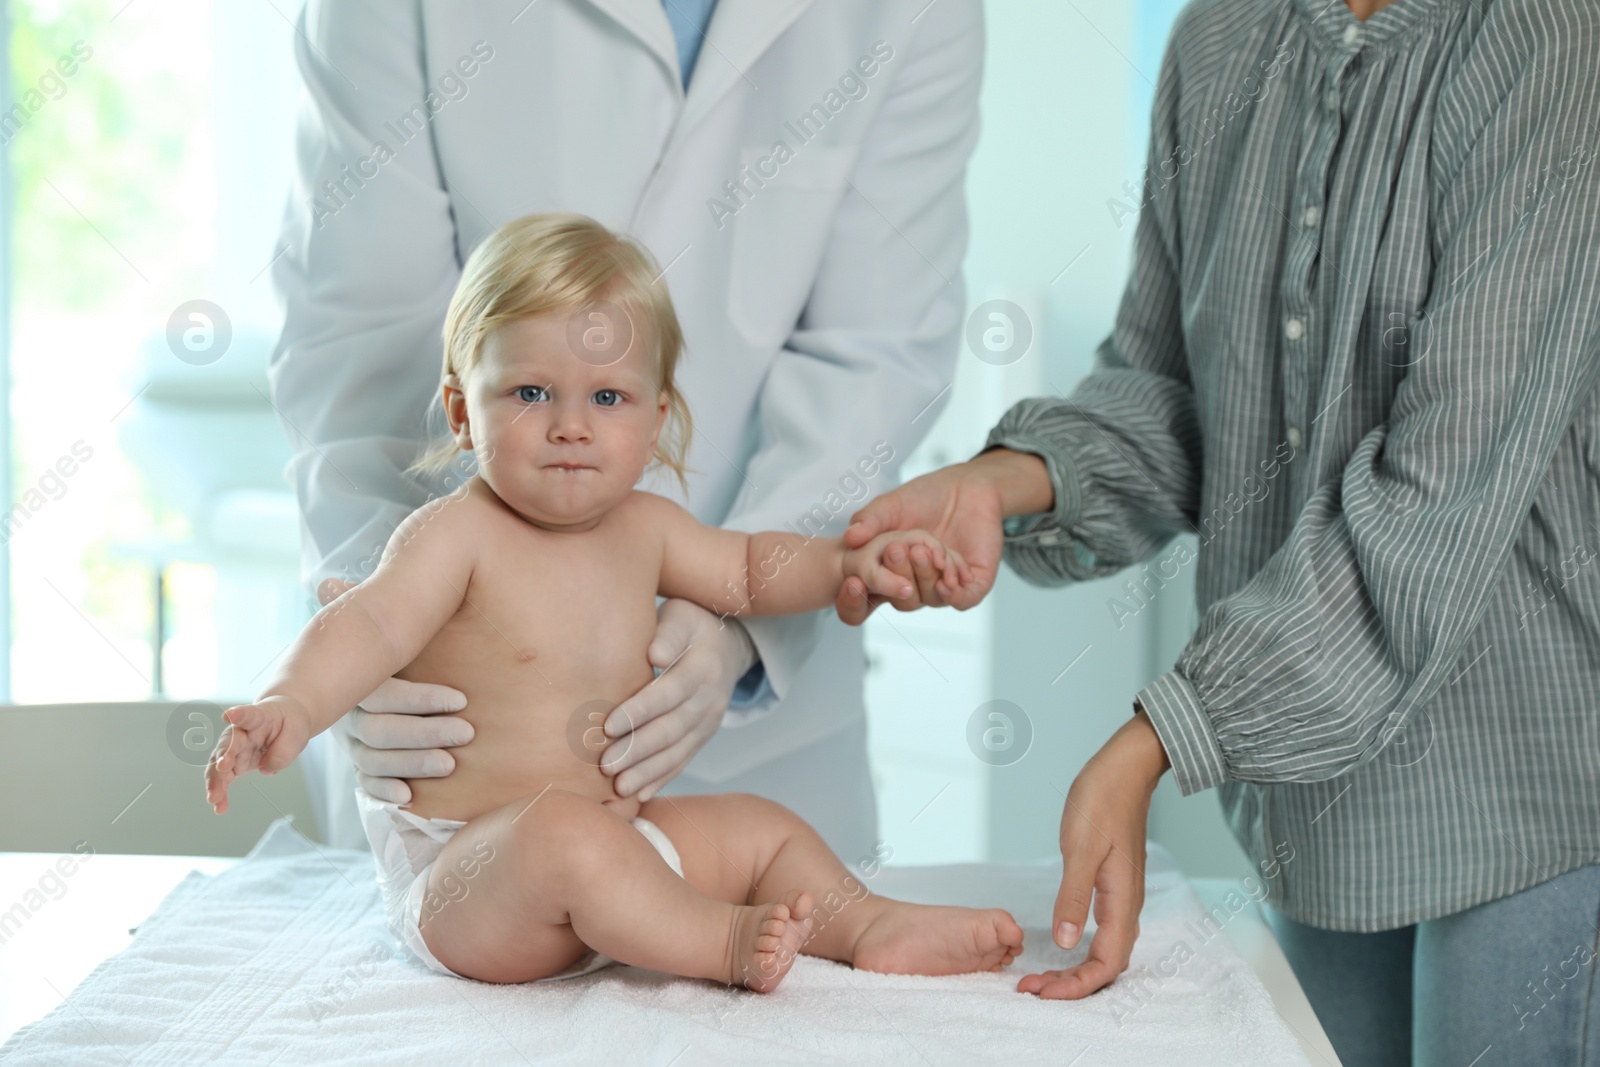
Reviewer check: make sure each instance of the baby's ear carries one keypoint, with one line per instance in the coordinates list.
(454, 400)
(662, 407)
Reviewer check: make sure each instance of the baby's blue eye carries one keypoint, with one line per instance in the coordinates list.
(616, 398)
(538, 390)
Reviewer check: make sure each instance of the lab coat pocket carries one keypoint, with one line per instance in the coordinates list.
(780, 233)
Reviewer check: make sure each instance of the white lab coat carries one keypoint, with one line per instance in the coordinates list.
(819, 289)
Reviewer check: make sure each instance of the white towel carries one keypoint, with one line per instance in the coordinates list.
(285, 959)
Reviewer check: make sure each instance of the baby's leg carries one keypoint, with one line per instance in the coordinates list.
(556, 874)
(749, 850)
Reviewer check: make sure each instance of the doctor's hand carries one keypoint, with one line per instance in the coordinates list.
(1103, 831)
(398, 731)
(962, 505)
(658, 730)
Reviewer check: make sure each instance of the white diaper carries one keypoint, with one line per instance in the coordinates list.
(405, 847)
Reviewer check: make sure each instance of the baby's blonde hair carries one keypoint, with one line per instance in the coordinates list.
(563, 262)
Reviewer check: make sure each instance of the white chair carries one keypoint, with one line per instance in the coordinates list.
(128, 778)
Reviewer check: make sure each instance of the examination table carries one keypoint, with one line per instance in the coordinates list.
(282, 956)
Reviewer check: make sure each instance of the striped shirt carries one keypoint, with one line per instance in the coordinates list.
(1356, 359)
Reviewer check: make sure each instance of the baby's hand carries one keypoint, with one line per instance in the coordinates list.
(867, 564)
(266, 736)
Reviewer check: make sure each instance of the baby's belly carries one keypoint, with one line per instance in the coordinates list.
(498, 767)
(523, 744)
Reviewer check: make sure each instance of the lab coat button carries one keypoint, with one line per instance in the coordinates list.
(1294, 329)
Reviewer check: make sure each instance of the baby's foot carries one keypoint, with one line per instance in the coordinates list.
(924, 939)
(766, 939)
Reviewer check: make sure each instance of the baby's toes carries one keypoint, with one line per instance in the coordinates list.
(798, 902)
(999, 938)
(770, 939)
(1003, 928)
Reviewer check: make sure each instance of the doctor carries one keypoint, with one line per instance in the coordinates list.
(803, 192)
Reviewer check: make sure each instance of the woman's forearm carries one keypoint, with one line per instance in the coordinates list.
(1021, 477)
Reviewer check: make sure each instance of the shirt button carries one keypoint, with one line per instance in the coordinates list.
(1330, 99)
(1294, 329)
(1312, 216)
(1294, 436)
(1352, 34)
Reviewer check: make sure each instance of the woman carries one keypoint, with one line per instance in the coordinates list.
(1356, 357)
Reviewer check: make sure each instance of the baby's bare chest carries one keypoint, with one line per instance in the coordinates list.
(568, 612)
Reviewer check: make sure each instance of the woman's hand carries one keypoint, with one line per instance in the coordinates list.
(1102, 853)
(962, 505)
(264, 736)
(660, 728)
(397, 732)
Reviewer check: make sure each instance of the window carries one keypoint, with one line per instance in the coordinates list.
(148, 150)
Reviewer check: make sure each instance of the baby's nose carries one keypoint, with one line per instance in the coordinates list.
(570, 425)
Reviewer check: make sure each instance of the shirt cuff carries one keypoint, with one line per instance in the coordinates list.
(752, 688)
(1174, 709)
(1044, 527)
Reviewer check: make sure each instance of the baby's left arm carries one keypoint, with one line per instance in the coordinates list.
(780, 573)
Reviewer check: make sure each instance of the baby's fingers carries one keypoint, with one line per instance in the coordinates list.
(954, 574)
(956, 571)
(930, 544)
(223, 756)
(217, 792)
(237, 752)
(220, 770)
(884, 582)
(262, 729)
(248, 717)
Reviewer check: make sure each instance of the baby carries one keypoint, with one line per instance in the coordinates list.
(532, 589)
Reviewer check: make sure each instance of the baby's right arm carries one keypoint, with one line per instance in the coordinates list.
(356, 641)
